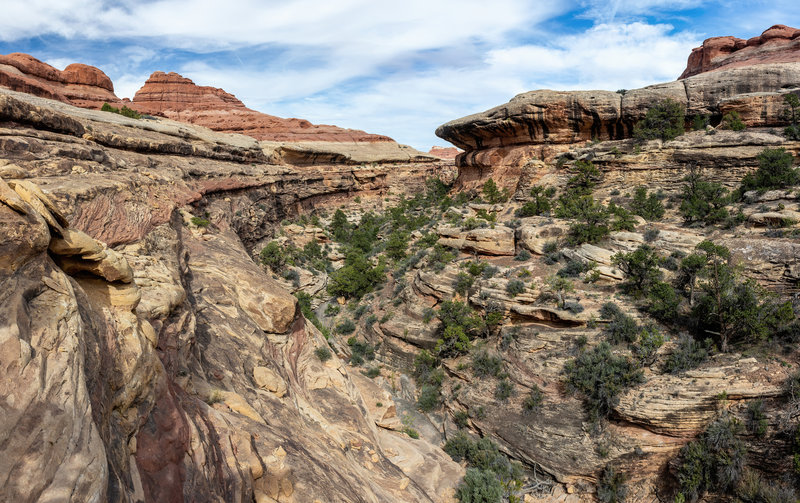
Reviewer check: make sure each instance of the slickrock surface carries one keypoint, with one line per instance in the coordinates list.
(145, 355)
(778, 44)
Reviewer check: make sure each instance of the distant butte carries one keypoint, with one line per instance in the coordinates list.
(175, 97)
(778, 44)
(168, 95)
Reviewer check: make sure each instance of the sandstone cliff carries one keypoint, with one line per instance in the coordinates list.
(538, 124)
(146, 356)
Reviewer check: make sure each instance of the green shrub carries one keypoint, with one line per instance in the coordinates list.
(479, 486)
(756, 420)
(483, 455)
(346, 327)
(650, 339)
(357, 277)
(430, 397)
(125, 111)
(273, 256)
(715, 462)
(540, 204)
(572, 269)
(486, 364)
(641, 269)
(372, 372)
(699, 122)
(515, 287)
(774, 172)
(396, 245)
(591, 223)
(463, 283)
(647, 206)
(754, 489)
(200, 222)
(611, 486)
(599, 375)
(733, 121)
(703, 201)
(622, 220)
(533, 401)
(461, 419)
(503, 390)
(621, 328)
(493, 194)
(360, 351)
(663, 302)
(664, 121)
(687, 355)
(523, 256)
(323, 353)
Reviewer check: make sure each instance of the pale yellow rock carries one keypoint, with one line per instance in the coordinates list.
(34, 189)
(11, 199)
(75, 242)
(269, 380)
(27, 195)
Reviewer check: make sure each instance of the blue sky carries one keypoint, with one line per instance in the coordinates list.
(394, 68)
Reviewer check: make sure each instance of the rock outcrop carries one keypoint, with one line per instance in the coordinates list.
(178, 98)
(537, 125)
(78, 84)
(145, 355)
(778, 44)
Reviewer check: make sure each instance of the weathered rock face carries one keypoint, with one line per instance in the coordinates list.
(79, 85)
(538, 124)
(178, 98)
(444, 152)
(170, 95)
(145, 356)
(778, 44)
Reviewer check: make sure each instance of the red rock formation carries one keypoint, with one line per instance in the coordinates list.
(169, 95)
(80, 85)
(778, 44)
(178, 98)
(444, 152)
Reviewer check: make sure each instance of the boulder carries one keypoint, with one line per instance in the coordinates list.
(485, 241)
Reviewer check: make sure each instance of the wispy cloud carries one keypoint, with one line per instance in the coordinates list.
(393, 68)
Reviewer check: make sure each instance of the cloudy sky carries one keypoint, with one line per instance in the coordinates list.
(398, 68)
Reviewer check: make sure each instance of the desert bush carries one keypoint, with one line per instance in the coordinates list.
(647, 206)
(323, 353)
(533, 401)
(463, 283)
(733, 121)
(345, 327)
(774, 171)
(599, 376)
(664, 121)
(715, 462)
(540, 203)
(493, 194)
(621, 328)
(611, 486)
(479, 486)
(486, 364)
(703, 201)
(273, 256)
(503, 390)
(515, 287)
(523, 256)
(572, 269)
(641, 269)
(687, 355)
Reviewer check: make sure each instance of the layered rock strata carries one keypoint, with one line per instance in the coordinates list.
(146, 356)
(538, 124)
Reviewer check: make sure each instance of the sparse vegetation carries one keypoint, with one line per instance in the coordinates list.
(599, 376)
(124, 111)
(665, 121)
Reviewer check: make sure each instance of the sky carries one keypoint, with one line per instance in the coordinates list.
(399, 68)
